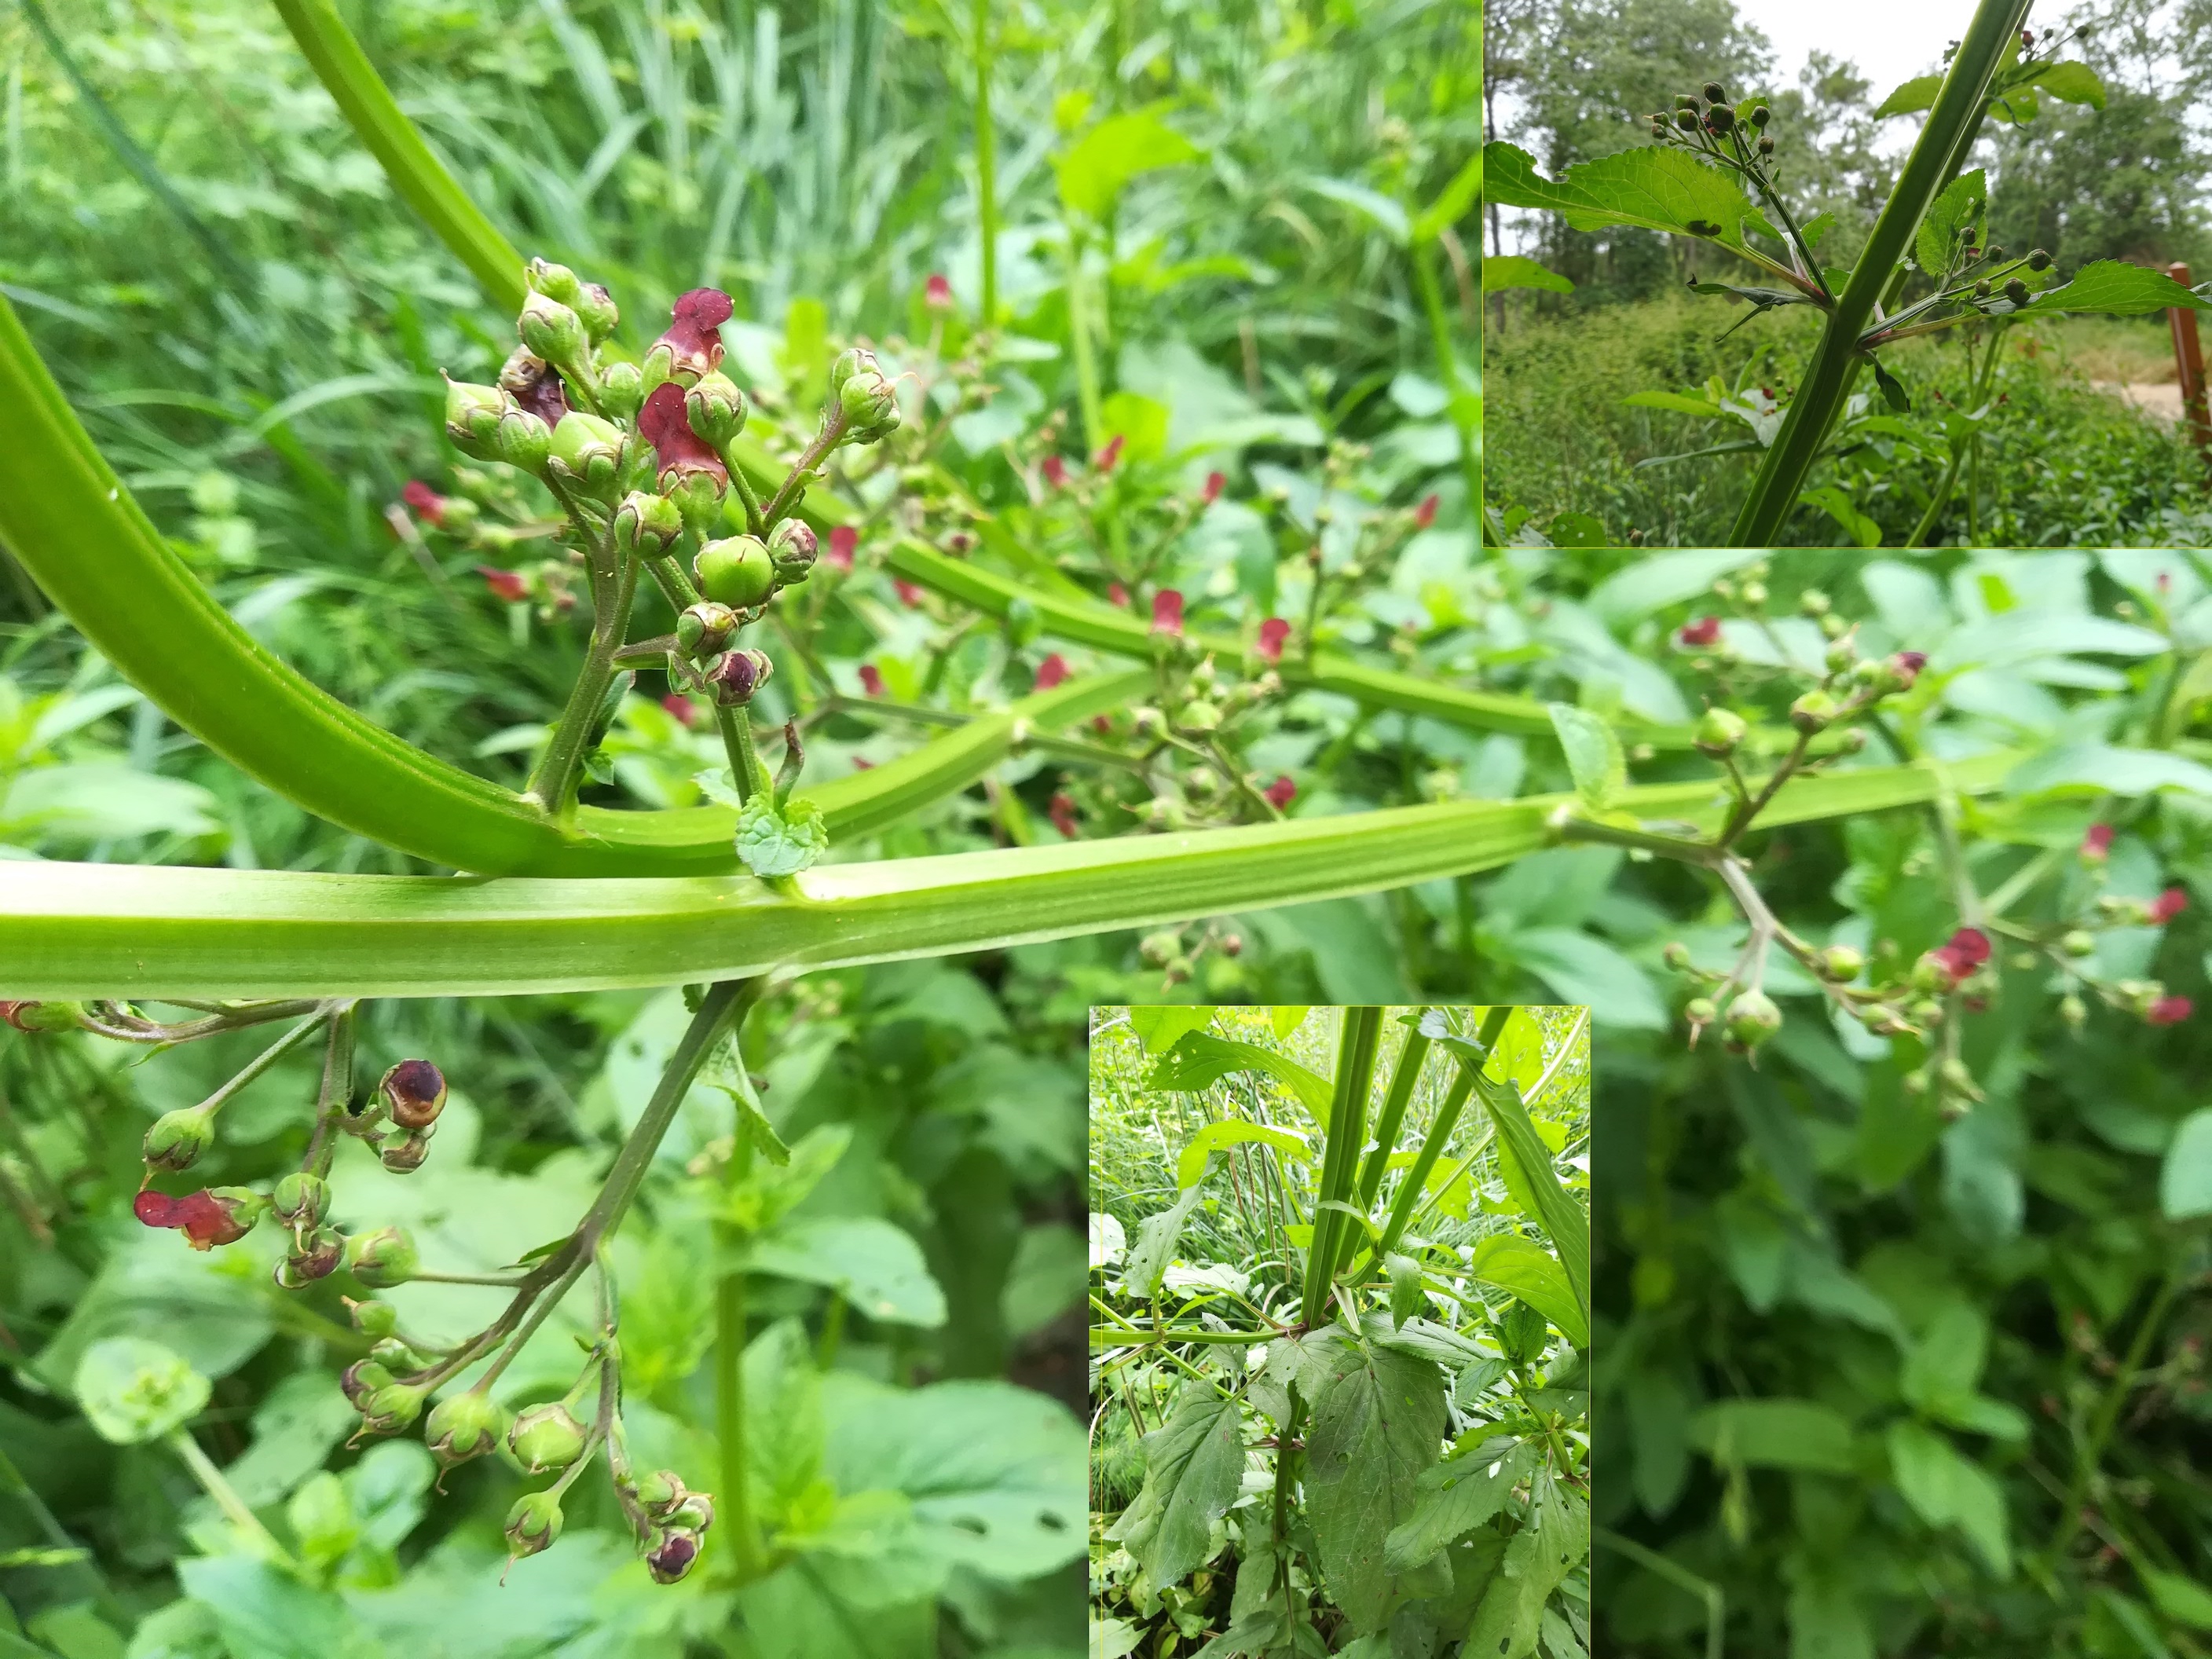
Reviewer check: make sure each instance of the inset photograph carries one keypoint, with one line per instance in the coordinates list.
(1764, 274)
(1339, 1331)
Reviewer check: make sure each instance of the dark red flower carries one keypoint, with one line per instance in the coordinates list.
(1214, 485)
(843, 540)
(685, 711)
(2168, 905)
(1280, 793)
(2097, 844)
(668, 430)
(1167, 613)
(540, 390)
(1063, 814)
(693, 337)
(937, 294)
(1107, 457)
(1906, 666)
(1119, 594)
(1051, 672)
(1055, 471)
(1962, 953)
(1272, 634)
(909, 594)
(206, 1220)
(1425, 513)
(509, 585)
(2170, 1011)
(1705, 631)
(871, 679)
(426, 502)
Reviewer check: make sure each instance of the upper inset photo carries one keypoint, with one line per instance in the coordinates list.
(1764, 275)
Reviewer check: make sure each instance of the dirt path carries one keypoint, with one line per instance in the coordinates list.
(2160, 398)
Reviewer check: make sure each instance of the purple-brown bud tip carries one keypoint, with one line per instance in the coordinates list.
(414, 1093)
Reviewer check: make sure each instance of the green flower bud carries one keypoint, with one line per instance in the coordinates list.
(533, 1523)
(1751, 1018)
(546, 1438)
(472, 415)
(382, 1258)
(392, 1407)
(1686, 120)
(1723, 118)
(1813, 711)
(716, 408)
(596, 307)
(736, 675)
(523, 442)
(2079, 942)
(1676, 956)
(43, 1016)
(586, 451)
(300, 1198)
(705, 629)
(313, 1256)
(1700, 1011)
(178, 1139)
(464, 1425)
(694, 1512)
(550, 330)
(1198, 715)
(554, 282)
(1840, 964)
(660, 1493)
(1761, 115)
(793, 547)
(1713, 92)
(1719, 730)
(395, 1352)
(622, 390)
(697, 495)
(2038, 259)
(865, 396)
(1765, 146)
(363, 1378)
(2073, 1011)
(2017, 291)
(646, 524)
(736, 571)
(376, 1318)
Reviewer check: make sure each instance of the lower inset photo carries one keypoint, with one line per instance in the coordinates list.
(1339, 1338)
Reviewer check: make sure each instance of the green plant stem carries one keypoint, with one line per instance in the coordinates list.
(1356, 1050)
(1470, 437)
(226, 1495)
(87, 930)
(986, 167)
(552, 782)
(1959, 450)
(737, 729)
(262, 1061)
(1411, 1054)
(730, 1316)
(2091, 1452)
(1828, 380)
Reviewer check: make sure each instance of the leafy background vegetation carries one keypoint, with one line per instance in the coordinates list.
(2064, 463)
(1204, 1183)
(1873, 1379)
(251, 323)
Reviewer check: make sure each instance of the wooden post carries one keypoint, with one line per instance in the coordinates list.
(2189, 358)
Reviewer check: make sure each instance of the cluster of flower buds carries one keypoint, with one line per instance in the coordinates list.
(1714, 122)
(1192, 726)
(674, 1520)
(864, 402)
(1178, 959)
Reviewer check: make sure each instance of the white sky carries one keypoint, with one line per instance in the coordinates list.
(1890, 40)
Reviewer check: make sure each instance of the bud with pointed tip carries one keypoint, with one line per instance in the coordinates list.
(864, 395)
(473, 413)
(404, 1157)
(360, 1380)
(300, 1198)
(1813, 711)
(552, 329)
(586, 451)
(704, 629)
(2017, 291)
(382, 1258)
(622, 390)
(1839, 964)
(1751, 1018)
(414, 1093)
(737, 571)
(374, 1319)
(546, 1438)
(533, 1523)
(558, 281)
(596, 307)
(464, 1425)
(313, 1256)
(646, 524)
(716, 409)
(178, 1138)
(392, 1407)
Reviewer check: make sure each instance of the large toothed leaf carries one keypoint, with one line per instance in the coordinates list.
(1193, 1465)
(2117, 288)
(1200, 1059)
(2071, 82)
(1958, 206)
(1654, 187)
(1379, 1422)
(1504, 270)
(1555, 1536)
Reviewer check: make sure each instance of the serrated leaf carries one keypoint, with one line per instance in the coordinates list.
(1190, 1162)
(1199, 1060)
(1378, 1421)
(1540, 1555)
(1406, 1294)
(780, 843)
(134, 1390)
(1959, 205)
(1454, 1498)
(1193, 1468)
(1532, 1273)
(1156, 1235)
(1160, 1027)
(1505, 270)
(2116, 288)
(872, 1262)
(1594, 757)
(1654, 188)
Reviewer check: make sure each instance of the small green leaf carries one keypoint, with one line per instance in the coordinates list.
(1948, 1490)
(773, 843)
(2184, 1183)
(1406, 1294)
(1504, 270)
(1190, 1165)
(1914, 95)
(1159, 1029)
(873, 1263)
(1594, 757)
(1199, 1060)
(1456, 1497)
(1287, 1019)
(2118, 289)
(1959, 206)
(1095, 170)
(1892, 393)
(1156, 1235)
(1656, 189)
(2071, 82)
(134, 1390)
(1775, 1433)
(1529, 1272)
